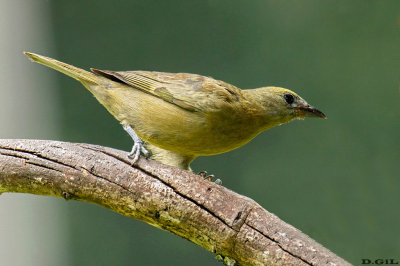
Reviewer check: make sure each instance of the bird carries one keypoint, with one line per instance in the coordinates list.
(180, 116)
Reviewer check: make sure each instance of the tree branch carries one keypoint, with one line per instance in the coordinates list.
(233, 227)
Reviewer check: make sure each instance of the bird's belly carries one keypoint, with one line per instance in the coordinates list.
(195, 140)
(195, 134)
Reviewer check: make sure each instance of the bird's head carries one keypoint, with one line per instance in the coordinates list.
(282, 105)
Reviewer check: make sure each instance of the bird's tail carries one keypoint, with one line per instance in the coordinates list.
(74, 72)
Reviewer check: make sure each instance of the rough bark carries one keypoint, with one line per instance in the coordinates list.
(235, 228)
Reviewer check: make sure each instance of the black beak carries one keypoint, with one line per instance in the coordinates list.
(310, 111)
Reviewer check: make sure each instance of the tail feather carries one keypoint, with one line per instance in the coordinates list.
(74, 72)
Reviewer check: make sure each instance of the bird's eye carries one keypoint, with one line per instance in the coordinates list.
(289, 98)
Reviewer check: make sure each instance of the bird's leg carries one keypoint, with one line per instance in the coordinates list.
(137, 147)
(204, 175)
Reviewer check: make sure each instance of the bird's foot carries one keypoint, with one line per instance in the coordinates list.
(204, 175)
(137, 147)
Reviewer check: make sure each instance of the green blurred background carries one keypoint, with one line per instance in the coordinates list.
(337, 180)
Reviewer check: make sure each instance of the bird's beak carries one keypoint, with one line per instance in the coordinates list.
(310, 111)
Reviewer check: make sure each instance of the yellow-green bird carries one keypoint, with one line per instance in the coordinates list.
(182, 116)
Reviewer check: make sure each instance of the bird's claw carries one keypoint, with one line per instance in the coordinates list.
(204, 175)
(136, 149)
(209, 177)
(218, 182)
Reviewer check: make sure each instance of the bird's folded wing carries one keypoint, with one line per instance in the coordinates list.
(188, 91)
